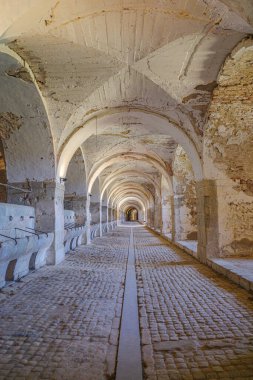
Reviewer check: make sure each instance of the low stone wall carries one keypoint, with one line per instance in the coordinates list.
(22, 248)
(105, 227)
(74, 236)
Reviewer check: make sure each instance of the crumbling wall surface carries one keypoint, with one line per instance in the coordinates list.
(75, 187)
(95, 212)
(3, 175)
(24, 126)
(167, 214)
(185, 207)
(228, 151)
(41, 196)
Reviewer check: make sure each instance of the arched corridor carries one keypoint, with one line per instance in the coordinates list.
(126, 189)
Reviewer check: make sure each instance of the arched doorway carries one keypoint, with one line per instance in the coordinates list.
(132, 215)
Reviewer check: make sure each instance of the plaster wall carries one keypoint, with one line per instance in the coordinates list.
(12, 216)
(75, 188)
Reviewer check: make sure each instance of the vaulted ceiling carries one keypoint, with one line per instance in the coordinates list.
(105, 60)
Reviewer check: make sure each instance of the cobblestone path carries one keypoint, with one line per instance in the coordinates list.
(63, 322)
(194, 324)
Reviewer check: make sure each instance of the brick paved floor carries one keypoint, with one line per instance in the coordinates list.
(63, 322)
(194, 324)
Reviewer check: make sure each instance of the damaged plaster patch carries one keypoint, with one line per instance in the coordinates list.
(198, 103)
(9, 122)
(20, 73)
(209, 87)
(34, 61)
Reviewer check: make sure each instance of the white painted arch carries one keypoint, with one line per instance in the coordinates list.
(130, 173)
(104, 163)
(97, 125)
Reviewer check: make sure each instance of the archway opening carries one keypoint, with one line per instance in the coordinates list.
(132, 215)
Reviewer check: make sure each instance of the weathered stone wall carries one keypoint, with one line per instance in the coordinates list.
(167, 210)
(15, 216)
(24, 126)
(69, 216)
(228, 151)
(104, 214)
(75, 188)
(95, 212)
(3, 176)
(41, 197)
(185, 208)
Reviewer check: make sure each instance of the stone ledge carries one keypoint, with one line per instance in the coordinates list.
(237, 270)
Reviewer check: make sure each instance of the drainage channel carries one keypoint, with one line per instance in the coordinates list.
(129, 364)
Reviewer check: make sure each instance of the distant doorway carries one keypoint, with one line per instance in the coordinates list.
(132, 215)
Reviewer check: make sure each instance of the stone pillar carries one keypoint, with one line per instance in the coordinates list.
(166, 215)
(173, 228)
(158, 214)
(185, 221)
(104, 213)
(56, 253)
(100, 220)
(150, 217)
(207, 219)
(225, 220)
(109, 210)
(114, 214)
(88, 219)
(109, 215)
(95, 212)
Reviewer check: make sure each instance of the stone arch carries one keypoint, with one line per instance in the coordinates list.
(137, 202)
(164, 126)
(113, 177)
(130, 206)
(131, 214)
(135, 194)
(118, 194)
(101, 165)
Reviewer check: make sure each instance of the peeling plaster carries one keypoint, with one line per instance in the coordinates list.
(9, 122)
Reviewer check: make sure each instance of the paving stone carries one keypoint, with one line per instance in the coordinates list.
(59, 325)
(64, 323)
(192, 314)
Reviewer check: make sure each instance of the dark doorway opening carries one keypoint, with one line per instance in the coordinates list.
(132, 215)
(32, 261)
(9, 276)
